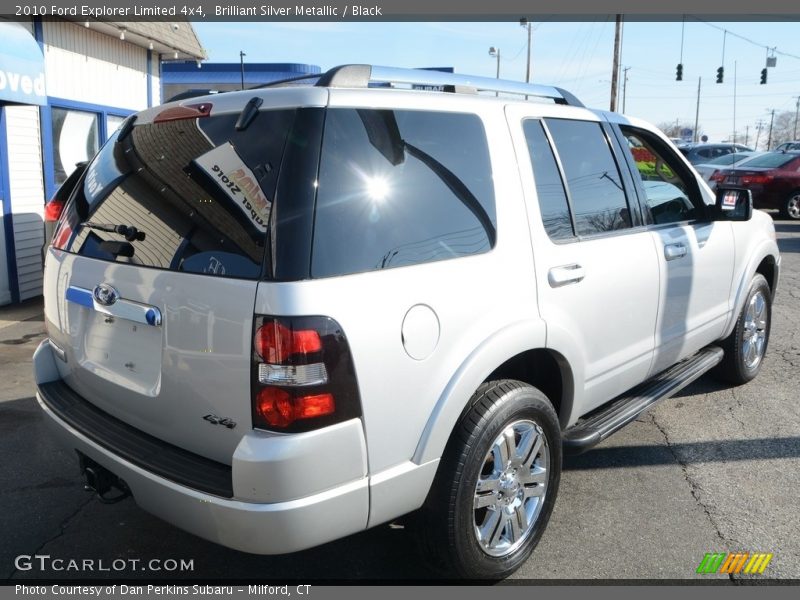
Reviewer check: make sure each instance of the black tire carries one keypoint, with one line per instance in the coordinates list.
(448, 522)
(738, 366)
(791, 206)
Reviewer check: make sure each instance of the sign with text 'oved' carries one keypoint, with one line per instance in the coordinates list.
(21, 66)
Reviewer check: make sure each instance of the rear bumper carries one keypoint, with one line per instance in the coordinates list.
(262, 464)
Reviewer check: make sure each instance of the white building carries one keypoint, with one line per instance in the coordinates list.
(64, 87)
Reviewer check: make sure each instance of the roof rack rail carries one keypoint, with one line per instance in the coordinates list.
(360, 76)
(285, 82)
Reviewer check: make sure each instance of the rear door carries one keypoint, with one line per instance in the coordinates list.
(151, 286)
(596, 267)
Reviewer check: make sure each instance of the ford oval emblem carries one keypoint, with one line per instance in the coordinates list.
(105, 294)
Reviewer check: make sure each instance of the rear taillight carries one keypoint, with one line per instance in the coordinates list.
(303, 375)
(53, 210)
(756, 179)
(717, 176)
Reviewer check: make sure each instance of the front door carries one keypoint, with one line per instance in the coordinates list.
(695, 253)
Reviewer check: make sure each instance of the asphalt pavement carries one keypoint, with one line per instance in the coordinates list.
(715, 469)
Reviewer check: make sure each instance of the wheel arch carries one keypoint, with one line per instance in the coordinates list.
(769, 269)
(545, 369)
(764, 261)
(516, 352)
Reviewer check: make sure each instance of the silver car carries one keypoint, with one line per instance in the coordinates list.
(281, 316)
(726, 161)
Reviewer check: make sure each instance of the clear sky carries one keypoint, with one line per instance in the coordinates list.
(573, 55)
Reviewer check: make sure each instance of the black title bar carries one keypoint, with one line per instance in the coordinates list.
(395, 10)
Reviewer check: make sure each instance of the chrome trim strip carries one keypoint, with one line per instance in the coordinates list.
(121, 309)
(80, 296)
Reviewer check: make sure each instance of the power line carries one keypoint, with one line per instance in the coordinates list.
(688, 96)
(748, 40)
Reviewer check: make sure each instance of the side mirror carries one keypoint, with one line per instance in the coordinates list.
(733, 204)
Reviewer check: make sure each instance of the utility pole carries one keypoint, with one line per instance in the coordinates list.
(241, 65)
(796, 111)
(697, 111)
(495, 52)
(615, 66)
(525, 23)
(746, 134)
(734, 102)
(624, 86)
(759, 125)
(769, 139)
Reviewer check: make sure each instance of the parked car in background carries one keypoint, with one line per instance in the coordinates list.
(702, 153)
(789, 147)
(55, 206)
(773, 178)
(731, 160)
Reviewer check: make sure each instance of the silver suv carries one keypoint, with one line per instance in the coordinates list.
(281, 316)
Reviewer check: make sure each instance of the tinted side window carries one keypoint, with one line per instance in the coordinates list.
(549, 186)
(399, 188)
(667, 186)
(595, 186)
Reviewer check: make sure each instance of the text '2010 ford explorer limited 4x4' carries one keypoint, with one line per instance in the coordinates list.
(281, 316)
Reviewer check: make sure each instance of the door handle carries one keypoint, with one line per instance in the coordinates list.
(674, 251)
(565, 274)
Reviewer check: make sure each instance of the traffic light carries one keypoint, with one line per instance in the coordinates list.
(679, 72)
(720, 74)
(763, 75)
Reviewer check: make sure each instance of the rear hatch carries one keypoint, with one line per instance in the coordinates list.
(152, 281)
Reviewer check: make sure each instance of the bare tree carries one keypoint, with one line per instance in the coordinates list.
(783, 128)
(673, 128)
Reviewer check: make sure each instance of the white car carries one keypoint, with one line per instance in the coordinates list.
(284, 315)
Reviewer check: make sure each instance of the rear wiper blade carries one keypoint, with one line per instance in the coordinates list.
(129, 232)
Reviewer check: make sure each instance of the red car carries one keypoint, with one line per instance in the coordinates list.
(773, 178)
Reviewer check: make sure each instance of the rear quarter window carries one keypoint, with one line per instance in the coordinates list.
(399, 188)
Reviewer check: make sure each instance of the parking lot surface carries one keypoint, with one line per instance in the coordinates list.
(715, 469)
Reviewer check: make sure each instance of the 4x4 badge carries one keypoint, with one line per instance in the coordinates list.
(215, 420)
(105, 294)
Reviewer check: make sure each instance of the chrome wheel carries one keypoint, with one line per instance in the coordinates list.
(511, 488)
(754, 336)
(793, 207)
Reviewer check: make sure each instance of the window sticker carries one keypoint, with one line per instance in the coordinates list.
(226, 168)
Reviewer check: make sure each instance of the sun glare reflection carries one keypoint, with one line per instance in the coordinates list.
(377, 188)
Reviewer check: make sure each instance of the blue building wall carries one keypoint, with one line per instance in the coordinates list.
(179, 77)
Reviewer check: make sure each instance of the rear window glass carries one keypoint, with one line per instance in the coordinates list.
(399, 188)
(729, 159)
(772, 161)
(549, 186)
(191, 195)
